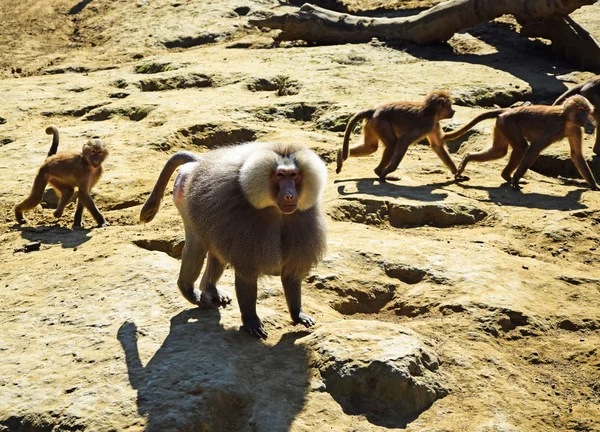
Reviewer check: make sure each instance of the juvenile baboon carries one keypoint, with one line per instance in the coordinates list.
(397, 125)
(66, 171)
(591, 91)
(540, 125)
(255, 206)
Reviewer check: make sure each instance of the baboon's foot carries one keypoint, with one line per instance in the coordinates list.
(20, 219)
(516, 186)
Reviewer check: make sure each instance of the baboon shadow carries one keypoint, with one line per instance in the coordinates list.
(515, 55)
(428, 192)
(204, 377)
(505, 195)
(55, 234)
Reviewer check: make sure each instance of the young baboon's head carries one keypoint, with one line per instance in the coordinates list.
(441, 103)
(577, 108)
(95, 152)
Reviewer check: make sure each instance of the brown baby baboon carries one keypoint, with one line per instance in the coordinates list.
(256, 206)
(397, 125)
(66, 171)
(529, 130)
(591, 91)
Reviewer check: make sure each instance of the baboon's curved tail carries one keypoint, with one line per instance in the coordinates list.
(563, 97)
(152, 204)
(53, 130)
(343, 153)
(466, 128)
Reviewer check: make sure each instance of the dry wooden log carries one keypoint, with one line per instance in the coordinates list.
(321, 26)
(569, 40)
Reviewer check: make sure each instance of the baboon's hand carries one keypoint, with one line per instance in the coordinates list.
(255, 328)
(304, 319)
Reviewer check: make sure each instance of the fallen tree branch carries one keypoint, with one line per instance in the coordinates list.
(324, 27)
(569, 40)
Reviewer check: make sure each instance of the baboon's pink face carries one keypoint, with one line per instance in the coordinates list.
(286, 186)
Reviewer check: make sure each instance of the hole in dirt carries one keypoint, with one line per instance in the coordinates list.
(151, 66)
(407, 309)
(355, 296)
(504, 321)
(376, 212)
(134, 113)
(209, 135)
(579, 324)
(282, 85)
(367, 298)
(42, 422)
(553, 165)
(66, 69)
(290, 111)
(334, 121)
(74, 112)
(172, 246)
(405, 273)
(378, 370)
(190, 80)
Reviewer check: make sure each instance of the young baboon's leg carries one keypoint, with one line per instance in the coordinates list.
(66, 193)
(575, 144)
(78, 213)
(370, 142)
(400, 148)
(498, 150)
(292, 287)
(532, 153)
(596, 148)
(513, 162)
(192, 259)
(519, 144)
(246, 291)
(86, 200)
(34, 198)
(436, 143)
(211, 295)
(388, 136)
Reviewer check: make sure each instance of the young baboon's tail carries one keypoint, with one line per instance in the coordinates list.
(53, 130)
(152, 204)
(466, 128)
(563, 97)
(343, 154)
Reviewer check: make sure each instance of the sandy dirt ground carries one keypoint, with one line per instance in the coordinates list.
(440, 306)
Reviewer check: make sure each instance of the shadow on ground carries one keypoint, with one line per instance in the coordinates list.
(204, 377)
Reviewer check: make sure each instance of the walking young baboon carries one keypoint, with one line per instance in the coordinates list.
(540, 125)
(255, 206)
(66, 171)
(591, 91)
(397, 125)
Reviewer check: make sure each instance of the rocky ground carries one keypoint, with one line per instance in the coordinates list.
(441, 306)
